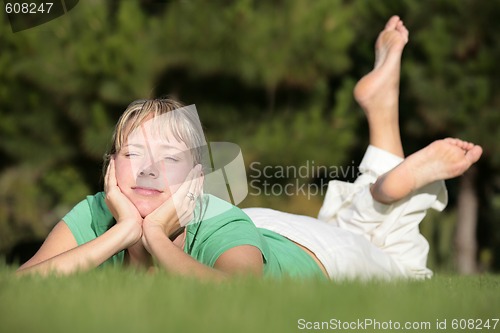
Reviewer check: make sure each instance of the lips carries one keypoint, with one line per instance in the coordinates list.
(146, 191)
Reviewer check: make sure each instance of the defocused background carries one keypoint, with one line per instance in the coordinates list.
(274, 77)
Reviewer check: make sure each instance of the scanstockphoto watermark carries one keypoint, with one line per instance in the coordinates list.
(308, 179)
(373, 325)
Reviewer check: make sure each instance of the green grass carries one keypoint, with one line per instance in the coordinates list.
(118, 300)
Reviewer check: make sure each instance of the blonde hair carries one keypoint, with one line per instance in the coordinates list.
(184, 125)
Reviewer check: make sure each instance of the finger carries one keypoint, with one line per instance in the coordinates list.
(187, 213)
(184, 198)
(199, 184)
(106, 178)
(185, 187)
(112, 173)
(194, 184)
(195, 188)
(197, 191)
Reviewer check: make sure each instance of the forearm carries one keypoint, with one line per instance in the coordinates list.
(83, 257)
(174, 260)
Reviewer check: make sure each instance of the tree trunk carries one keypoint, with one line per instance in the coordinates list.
(465, 237)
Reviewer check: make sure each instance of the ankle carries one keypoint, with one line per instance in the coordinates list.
(394, 185)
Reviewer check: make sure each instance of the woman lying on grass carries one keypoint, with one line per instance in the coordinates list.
(153, 204)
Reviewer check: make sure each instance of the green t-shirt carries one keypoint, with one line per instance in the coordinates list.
(221, 227)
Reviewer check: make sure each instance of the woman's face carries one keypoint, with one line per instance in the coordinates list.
(149, 169)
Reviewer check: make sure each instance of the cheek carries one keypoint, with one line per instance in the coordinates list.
(123, 171)
(176, 175)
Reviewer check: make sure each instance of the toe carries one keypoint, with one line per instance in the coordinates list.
(474, 154)
(452, 141)
(461, 143)
(392, 23)
(402, 30)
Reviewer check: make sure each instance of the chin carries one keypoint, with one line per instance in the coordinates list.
(146, 208)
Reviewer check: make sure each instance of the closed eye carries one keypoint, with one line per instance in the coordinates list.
(132, 154)
(171, 159)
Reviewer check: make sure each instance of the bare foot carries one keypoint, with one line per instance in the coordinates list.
(378, 91)
(442, 159)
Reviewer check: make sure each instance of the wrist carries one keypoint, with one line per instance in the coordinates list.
(154, 236)
(130, 233)
(153, 230)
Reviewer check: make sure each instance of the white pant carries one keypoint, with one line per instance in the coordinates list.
(357, 237)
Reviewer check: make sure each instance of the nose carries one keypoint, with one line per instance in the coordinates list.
(149, 171)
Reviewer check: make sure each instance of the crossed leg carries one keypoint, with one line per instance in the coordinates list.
(378, 93)
(390, 244)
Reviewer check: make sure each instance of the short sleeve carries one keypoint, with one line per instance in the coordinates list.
(227, 227)
(79, 221)
(230, 234)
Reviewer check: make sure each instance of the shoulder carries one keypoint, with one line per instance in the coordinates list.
(215, 210)
(215, 206)
(92, 204)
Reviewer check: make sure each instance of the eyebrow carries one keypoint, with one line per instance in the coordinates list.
(163, 145)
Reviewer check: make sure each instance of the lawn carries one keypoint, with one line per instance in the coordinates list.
(119, 300)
